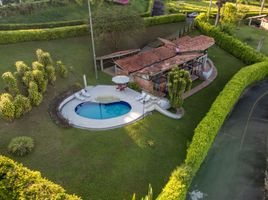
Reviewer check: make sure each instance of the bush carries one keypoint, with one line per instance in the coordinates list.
(39, 78)
(42, 25)
(21, 68)
(18, 182)
(35, 97)
(134, 86)
(62, 70)
(164, 19)
(21, 146)
(148, 13)
(22, 105)
(7, 37)
(230, 44)
(27, 78)
(51, 74)
(10, 82)
(207, 129)
(7, 108)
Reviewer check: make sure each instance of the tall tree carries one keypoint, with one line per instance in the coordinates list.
(112, 23)
(179, 81)
(262, 6)
(220, 4)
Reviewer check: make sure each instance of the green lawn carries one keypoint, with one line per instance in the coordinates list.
(202, 6)
(252, 35)
(64, 13)
(106, 164)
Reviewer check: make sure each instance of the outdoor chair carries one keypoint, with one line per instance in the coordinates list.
(142, 96)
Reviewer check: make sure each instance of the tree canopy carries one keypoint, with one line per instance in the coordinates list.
(111, 23)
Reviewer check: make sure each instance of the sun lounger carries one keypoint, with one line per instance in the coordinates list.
(77, 96)
(146, 99)
(142, 96)
(85, 94)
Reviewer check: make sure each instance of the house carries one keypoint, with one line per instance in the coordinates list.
(149, 68)
(264, 23)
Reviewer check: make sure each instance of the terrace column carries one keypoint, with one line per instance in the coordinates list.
(101, 64)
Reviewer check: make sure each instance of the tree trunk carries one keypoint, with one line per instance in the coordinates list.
(209, 8)
(262, 6)
(218, 16)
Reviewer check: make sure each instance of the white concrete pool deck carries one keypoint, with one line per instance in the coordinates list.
(137, 109)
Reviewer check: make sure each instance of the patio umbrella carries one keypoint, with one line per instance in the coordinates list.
(120, 79)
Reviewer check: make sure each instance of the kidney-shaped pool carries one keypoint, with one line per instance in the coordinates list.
(100, 111)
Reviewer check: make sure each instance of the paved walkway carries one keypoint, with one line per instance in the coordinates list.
(235, 165)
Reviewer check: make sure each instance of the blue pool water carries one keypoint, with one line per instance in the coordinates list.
(102, 111)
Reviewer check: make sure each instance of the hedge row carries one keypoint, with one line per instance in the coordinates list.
(164, 19)
(7, 37)
(14, 36)
(42, 25)
(148, 13)
(230, 44)
(18, 182)
(207, 129)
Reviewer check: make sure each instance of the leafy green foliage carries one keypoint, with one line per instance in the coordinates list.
(232, 45)
(21, 146)
(39, 78)
(21, 68)
(207, 129)
(164, 19)
(22, 105)
(35, 96)
(7, 108)
(18, 182)
(10, 82)
(179, 82)
(7, 37)
(111, 23)
(62, 70)
(134, 86)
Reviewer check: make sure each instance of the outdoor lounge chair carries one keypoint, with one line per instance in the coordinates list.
(146, 99)
(85, 94)
(142, 96)
(77, 96)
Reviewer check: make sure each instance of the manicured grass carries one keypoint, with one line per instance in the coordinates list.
(202, 6)
(106, 164)
(252, 35)
(70, 12)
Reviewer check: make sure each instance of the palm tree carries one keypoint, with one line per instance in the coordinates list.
(220, 4)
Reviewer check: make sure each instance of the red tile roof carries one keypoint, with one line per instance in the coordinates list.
(169, 64)
(167, 53)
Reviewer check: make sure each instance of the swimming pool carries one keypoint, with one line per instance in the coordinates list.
(100, 111)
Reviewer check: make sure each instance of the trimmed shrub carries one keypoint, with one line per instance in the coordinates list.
(35, 97)
(39, 78)
(44, 57)
(42, 25)
(27, 78)
(232, 45)
(134, 86)
(207, 129)
(164, 19)
(20, 146)
(10, 82)
(7, 108)
(22, 105)
(38, 66)
(62, 70)
(7, 37)
(148, 13)
(51, 74)
(18, 182)
(21, 68)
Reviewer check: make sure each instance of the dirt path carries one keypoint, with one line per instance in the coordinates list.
(234, 168)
